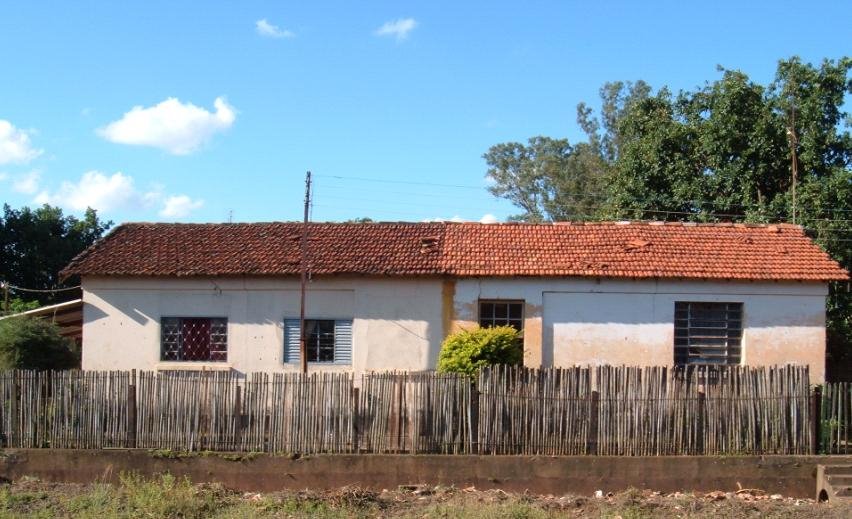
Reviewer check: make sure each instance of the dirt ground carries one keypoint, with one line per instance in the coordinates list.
(170, 497)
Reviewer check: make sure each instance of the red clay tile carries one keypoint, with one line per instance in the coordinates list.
(602, 249)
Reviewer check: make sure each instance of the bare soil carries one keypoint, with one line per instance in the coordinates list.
(169, 497)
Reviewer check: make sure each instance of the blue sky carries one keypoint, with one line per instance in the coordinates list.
(236, 100)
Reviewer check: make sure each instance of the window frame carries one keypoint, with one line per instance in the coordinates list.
(498, 321)
(728, 339)
(222, 320)
(341, 350)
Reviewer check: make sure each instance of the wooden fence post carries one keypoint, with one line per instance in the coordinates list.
(594, 422)
(816, 409)
(131, 411)
(238, 417)
(474, 419)
(356, 420)
(701, 422)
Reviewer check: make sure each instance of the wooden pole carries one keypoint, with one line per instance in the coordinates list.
(816, 408)
(303, 354)
(131, 411)
(794, 142)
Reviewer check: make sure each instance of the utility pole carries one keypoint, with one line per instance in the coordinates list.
(6, 297)
(794, 142)
(303, 350)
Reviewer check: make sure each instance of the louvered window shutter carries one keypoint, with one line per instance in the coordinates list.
(291, 340)
(343, 341)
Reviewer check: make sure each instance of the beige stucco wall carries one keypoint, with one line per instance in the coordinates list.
(400, 323)
(400, 320)
(590, 322)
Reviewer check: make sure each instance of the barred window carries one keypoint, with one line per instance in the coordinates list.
(501, 313)
(708, 333)
(327, 341)
(194, 339)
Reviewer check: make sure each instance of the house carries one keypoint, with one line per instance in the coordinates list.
(384, 295)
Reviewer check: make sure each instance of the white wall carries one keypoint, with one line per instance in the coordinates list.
(399, 319)
(588, 322)
(398, 323)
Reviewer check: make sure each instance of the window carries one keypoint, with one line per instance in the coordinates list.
(501, 313)
(708, 333)
(327, 341)
(194, 339)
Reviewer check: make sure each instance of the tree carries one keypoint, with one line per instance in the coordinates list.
(544, 177)
(467, 351)
(36, 244)
(32, 343)
(720, 152)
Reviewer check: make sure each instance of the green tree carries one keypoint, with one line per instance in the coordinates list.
(545, 176)
(467, 351)
(31, 343)
(722, 151)
(35, 244)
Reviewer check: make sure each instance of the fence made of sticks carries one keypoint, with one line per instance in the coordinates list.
(506, 410)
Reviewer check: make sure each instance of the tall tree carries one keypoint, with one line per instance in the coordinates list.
(723, 151)
(35, 244)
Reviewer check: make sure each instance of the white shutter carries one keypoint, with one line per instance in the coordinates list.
(291, 340)
(343, 341)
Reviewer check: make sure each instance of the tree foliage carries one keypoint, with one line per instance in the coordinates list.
(467, 351)
(35, 244)
(31, 343)
(719, 152)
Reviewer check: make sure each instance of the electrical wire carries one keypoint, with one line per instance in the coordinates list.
(588, 194)
(37, 290)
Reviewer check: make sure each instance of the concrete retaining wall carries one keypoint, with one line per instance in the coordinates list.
(788, 475)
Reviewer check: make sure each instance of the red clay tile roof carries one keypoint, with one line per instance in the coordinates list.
(611, 249)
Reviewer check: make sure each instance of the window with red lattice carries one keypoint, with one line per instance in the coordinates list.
(194, 339)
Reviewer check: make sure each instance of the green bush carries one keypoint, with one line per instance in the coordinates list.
(31, 343)
(469, 350)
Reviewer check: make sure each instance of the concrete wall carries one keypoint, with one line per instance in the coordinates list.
(400, 323)
(788, 475)
(590, 322)
(400, 320)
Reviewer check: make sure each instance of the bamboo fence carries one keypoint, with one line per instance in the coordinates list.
(836, 423)
(604, 410)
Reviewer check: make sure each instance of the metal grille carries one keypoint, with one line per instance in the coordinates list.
(708, 333)
(501, 313)
(319, 339)
(202, 339)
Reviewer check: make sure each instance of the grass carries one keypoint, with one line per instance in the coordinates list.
(167, 496)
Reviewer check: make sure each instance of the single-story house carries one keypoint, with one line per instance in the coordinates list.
(383, 296)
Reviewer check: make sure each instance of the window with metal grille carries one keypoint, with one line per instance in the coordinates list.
(501, 313)
(327, 341)
(194, 339)
(708, 333)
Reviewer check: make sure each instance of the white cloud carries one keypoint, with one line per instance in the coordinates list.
(27, 183)
(15, 145)
(487, 218)
(455, 218)
(398, 29)
(264, 28)
(178, 128)
(179, 206)
(100, 191)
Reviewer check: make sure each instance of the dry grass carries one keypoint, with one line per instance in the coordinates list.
(169, 497)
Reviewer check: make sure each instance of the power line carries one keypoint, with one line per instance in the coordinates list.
(590, 194)
(408, 182)
(37, 290)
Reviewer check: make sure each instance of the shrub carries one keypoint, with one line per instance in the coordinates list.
(31, 343)
(469, 350)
